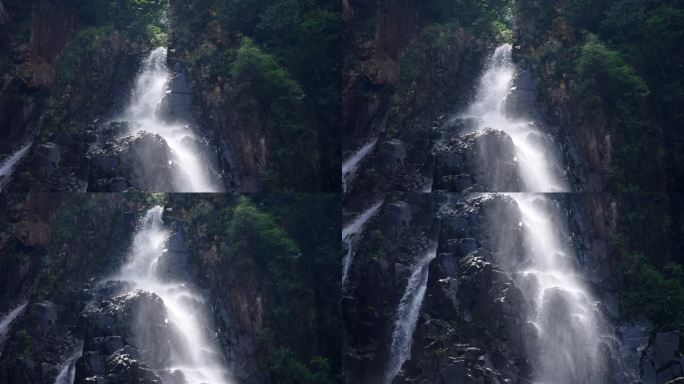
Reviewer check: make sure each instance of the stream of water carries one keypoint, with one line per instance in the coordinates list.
(8, 165)
(197, 356)
(570, 328)
(535, 152)
(406, 317)
(151, 87)
(7, 321)
(570, 334)
(351, 231)
(350, 165)
(67, 371)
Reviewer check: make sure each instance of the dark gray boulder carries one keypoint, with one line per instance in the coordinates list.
(127, 338)
(144, 160)
(481, 161)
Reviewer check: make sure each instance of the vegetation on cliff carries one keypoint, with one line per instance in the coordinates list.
(280, 249)
(285, 248)
(613, 69)
(278, 66)
(108, 32)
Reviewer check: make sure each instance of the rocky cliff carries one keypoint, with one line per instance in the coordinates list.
(76, 319)
(582, 75)
(246, 92)
(472, 326)
(266, 79)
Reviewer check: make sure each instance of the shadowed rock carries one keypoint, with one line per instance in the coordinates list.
(481, 161)
(140, 162)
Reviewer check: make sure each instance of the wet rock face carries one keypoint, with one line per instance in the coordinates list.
(37, 344)
(473, 327)
(142, 161)
(480, 161)
(386, 251)
(48, 156)
(126, 339)
(663, 359)
(178, 104)
(111, 66)
(394, 153)
(522, 100)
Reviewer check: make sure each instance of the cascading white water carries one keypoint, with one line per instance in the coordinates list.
(349, 232)
(570, 329)
(8, 165)
(150, 89)
(407, 314)
(569, 325)
(9, 318)
(199, 360)
(68, 370)
(349, 166)
(533, 156)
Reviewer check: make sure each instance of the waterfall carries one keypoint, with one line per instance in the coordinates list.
(570, 336)
(349, 166)
(407, 314)
(570, 329)
(349, 232)
(8, 165)
(9, 318)
(151, 87)
(68, 370)
(197, 357)
(534, 151)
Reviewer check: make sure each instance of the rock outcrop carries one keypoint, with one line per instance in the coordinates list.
(142, 162)
(472, 325)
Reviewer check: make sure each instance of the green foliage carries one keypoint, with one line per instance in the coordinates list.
(83, 229)
(291, 243)
(624, 21)
(378, 245)
(303, 37)
(280, 98)
(26, 341)
(490, 19)
(82, 90)
(585, 13)
(658, 294)
(255, 234)
(614, 77)
(477, 14)
(260, 71)
(241, 15)
(289, 370)
(152, 199)
(626, 77)
(638, 153)
(257, 238)
(143, 20)
(650, 284)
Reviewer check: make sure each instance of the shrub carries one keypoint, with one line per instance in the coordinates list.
(614, 77)
(271, 82)
(659, 295)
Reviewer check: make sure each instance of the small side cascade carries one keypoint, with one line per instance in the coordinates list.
(351, 231)
(406, 317)
(7, 321)
(350, 165)
(67, 371)
(10, 163)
